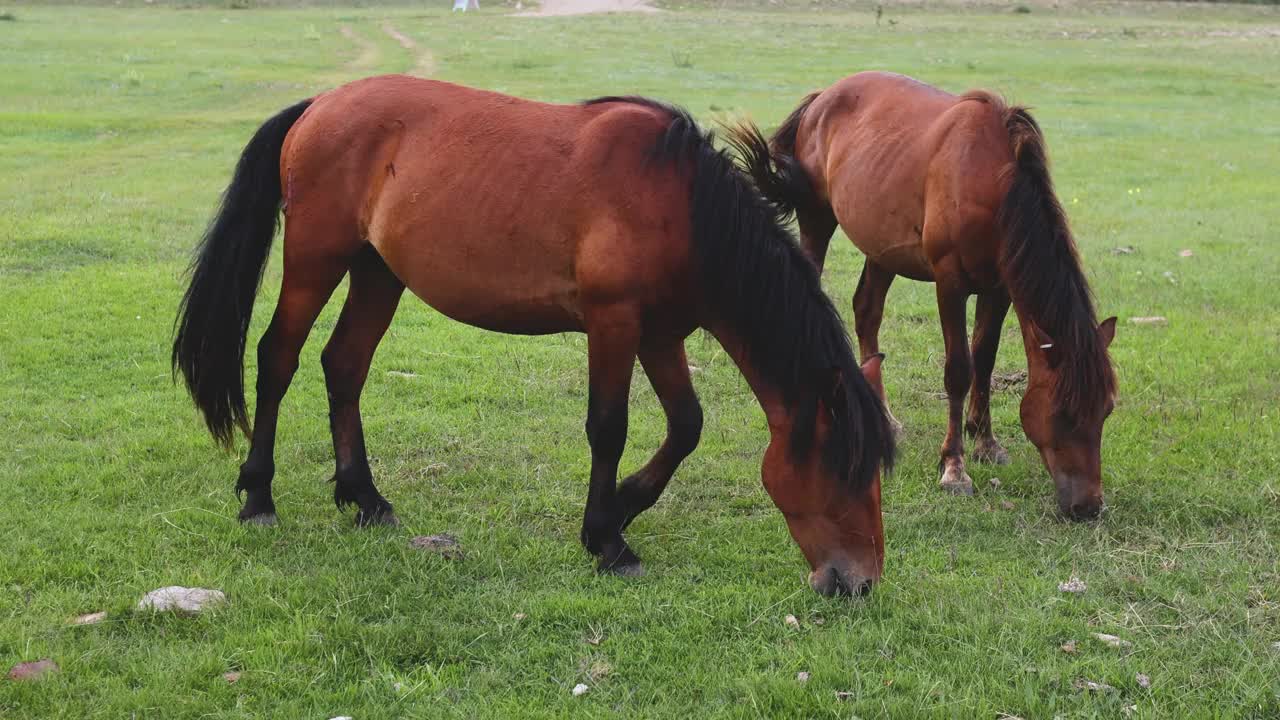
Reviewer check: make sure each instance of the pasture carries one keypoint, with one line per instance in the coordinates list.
(119, 127)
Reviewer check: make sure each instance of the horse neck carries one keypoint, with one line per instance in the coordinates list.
(777, 412)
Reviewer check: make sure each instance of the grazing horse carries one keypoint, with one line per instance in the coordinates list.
(615, 217)
(954, 190)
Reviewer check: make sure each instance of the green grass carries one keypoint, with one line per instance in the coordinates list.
(119, 128)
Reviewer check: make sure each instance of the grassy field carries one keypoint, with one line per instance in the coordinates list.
(118, 130)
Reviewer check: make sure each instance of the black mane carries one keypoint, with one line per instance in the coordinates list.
(1042, 270)
(761, 286)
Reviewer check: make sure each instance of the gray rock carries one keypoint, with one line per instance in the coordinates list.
(444, 545)
(33, 670)
(181, 599)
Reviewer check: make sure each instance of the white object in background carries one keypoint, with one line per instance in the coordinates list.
(465, 5)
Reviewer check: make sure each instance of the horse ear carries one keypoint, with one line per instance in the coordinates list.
(1046, 345)
(1107, 331)
(871, 371)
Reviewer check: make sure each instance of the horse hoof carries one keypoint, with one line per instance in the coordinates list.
(956, 482)
(991, 454)
(630, 569)
(261, 519)
(383, 517)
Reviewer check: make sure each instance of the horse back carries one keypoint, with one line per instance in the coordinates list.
(500, 212)
(915, 175)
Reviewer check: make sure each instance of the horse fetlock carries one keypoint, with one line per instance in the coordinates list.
(254, 478)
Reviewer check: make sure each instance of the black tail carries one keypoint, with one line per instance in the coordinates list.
(759, 284)
(772, 164)
(1042, 270)
(213, 318)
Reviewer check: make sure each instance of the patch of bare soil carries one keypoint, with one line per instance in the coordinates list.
(550, 8)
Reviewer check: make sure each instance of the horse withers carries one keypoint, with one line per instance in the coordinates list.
(615, 217)
(955, 189)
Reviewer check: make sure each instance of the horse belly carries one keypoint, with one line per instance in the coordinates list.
(892, 239)
(511, 287)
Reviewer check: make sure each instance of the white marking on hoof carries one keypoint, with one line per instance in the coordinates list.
(955, 481)
(263, 520)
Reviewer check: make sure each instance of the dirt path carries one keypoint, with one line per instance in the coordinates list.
(369, 54)
(425, 64)
(550, 8)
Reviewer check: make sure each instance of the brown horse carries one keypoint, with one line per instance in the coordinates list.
(615, 217)
(955, 190)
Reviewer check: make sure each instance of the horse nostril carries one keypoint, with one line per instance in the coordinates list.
(850, 587)
(1084, 511)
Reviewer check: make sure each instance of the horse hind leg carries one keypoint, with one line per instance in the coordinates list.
(308, 282)
(372, 297)
(990, 315)
(668, 371)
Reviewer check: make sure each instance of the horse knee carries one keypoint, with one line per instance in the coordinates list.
(684, 427)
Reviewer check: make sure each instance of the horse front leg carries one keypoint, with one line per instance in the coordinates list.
(989, 319)
(957, 378)
(613, 338)
(668, 371)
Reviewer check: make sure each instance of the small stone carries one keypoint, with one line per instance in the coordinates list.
(995, 483)
(519, 616)
(341, 717)
(444, 545)
(580, 689)
(1185, 253)
(1091, 686)
(1275, 646)
(791, 622)
(599, 669)
(1069, 647)
(402, 374)
(1151, 320)
(694, 368)
(1074, 585)
(33, 670)
(231, 677)
(818, 620)
(1112, 640)
(1144, 682)
(1006, 504)
(181, 599)
(90, 619)
(1123, 250)
(1169, 276)
(802, 677)
(844, 695)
